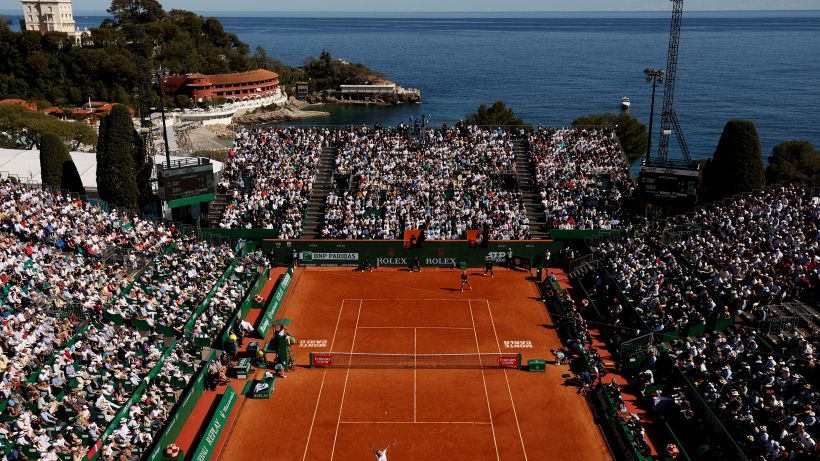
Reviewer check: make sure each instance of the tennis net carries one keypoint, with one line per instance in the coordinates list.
(442, 361)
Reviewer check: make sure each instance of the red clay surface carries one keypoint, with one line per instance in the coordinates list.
(341, 414)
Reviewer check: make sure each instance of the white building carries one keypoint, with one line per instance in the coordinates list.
(50, 15)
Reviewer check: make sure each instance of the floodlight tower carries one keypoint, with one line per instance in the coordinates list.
(666, 186)
(669, 120)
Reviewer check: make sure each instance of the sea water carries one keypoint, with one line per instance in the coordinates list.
(551, 68)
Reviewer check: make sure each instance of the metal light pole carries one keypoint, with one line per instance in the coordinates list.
(160, 76)
(655, 76)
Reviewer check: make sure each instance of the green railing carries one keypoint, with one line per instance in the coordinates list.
(94, 453)
(188, 401)
(246, 306)
(189, 325)
(116, 319)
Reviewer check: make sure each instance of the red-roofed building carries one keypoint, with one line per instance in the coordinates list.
(20, 102)
(238, 86)
(90, 112)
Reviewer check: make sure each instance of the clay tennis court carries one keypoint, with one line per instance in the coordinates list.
(428, 414)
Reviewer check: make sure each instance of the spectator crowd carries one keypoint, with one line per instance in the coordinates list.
(269, 177)
(582, 177)
(762, 395)
(70, 376)
(447, 183)
(759, 249)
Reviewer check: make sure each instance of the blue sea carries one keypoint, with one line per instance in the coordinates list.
(551, 68)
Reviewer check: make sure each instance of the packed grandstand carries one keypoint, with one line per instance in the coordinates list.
(448, 182)
(105, 313)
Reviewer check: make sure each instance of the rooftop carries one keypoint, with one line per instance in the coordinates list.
(26, 164)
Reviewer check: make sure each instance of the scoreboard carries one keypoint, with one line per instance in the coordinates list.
(669, 186)
(187, 183)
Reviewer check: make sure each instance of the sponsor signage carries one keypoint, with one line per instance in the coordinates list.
(262, 389)
(322, 360)
(392, 261)
(313, 343)
(508, 361)
(214, 429)
(496, 256)
(440, 261)
(518, 344)
(273, 307)
(309, 256)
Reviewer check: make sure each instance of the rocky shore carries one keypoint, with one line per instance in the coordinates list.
(286, 113)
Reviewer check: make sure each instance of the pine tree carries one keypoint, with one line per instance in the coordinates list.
(495, 116)
(737, 165)
(116, 179)
(794, 161)
(52, 154)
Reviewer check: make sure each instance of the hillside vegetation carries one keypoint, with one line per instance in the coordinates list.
(51, 69)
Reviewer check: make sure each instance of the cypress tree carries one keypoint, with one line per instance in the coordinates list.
(103, 160)
(116, 179)
(737, 165)
(71, 180)
(52, 154)
(142, 168)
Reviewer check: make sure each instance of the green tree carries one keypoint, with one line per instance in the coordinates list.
(116, 179)
(737, 164)
(52, 155)
(104, 68)
(143, 10)
(142, 168)
(496, 115)
(22, 128)
(794, 161)
(57, 168)
(632, 134)
(71, 180)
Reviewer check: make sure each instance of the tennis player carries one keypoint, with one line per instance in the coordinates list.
(381, 455)
(464, 280)
(488, 267)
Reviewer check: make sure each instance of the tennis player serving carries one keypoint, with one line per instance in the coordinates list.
(381, 455)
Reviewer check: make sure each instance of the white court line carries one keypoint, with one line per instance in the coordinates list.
(344, 389)
(414, 299)
(322, 386)
(474, 423)
(486, 394)
(506, 377)
(415, 369)
(413, 328)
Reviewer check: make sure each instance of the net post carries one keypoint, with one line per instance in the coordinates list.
(520, 363)
(311, 360)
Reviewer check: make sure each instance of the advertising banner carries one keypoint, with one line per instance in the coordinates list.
(273, 307)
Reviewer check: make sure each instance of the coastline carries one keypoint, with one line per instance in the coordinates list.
(292, 110)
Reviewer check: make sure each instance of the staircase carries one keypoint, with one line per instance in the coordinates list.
(312, 225)
(217, 208)
(532, 200)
